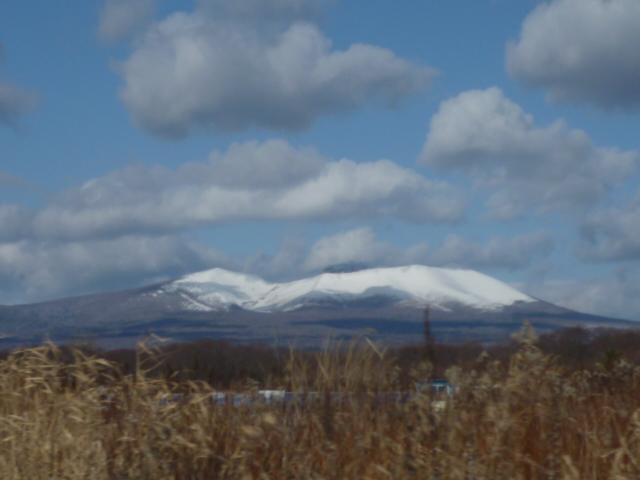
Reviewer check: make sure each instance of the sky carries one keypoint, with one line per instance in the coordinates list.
(142, 140)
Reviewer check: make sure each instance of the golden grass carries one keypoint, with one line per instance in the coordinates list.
(526, 420)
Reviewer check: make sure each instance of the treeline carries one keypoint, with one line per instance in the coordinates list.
(573, 349)
(225, 365)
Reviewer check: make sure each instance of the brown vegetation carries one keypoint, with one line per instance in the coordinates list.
(67, 415)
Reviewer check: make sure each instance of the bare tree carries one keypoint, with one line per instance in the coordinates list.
(429, 341)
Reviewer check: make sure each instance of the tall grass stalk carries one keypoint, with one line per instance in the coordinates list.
(525, 420)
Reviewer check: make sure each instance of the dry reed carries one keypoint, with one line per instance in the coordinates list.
(525, 420)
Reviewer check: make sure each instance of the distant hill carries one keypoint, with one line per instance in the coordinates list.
(386, 304)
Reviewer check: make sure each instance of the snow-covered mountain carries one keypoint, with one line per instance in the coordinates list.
(386, 304)
(414, 285)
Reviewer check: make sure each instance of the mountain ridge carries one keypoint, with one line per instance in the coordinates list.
(419, 284)
(386, 304)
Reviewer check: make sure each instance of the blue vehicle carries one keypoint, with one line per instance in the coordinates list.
(437, 388)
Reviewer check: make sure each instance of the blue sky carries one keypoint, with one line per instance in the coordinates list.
(141, 140)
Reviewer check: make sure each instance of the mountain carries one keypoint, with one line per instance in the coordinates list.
(386, 304)
(414, 286)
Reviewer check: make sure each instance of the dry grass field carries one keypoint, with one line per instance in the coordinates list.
(528, 419)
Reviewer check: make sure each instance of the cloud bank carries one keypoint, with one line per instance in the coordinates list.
(611, 234)
(486, 136)
(616, 297)
(228, 73)
(581, 50)
(361, 245)
(251, 181)
(511, 254)
(35, 270)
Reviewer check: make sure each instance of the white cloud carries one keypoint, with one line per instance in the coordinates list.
(361, 245)
(120, 19)
(15, 222)
(270, 181)
(199, 70)
(616, 297)
(611, 234)
(14, 101)
(584, 50)
(35, 270)
(32, 270)
(512, 254)
(296, 258)
(284, 265)
(489, 137)
(273, 164)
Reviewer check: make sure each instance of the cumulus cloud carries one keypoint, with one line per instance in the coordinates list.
(272, 164)
(583, 50)
(615, 297)
(120, 19)
(489, 137)
(511, 254)
(14, 101)
(611, 234)
(15, 222)
(32, 270)
(361, 245)
(217, 73)
(284, 265)
(42, 269)
(269, 181)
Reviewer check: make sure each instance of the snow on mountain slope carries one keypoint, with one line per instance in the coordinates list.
(219, 289)
(419, 285)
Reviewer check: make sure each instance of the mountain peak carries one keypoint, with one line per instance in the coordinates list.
(232, 305)
(417, 285)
